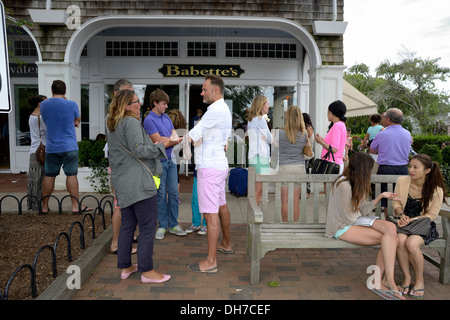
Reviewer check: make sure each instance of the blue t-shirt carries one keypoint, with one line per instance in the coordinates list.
(372, 131)
(59, 116)
(162, 124)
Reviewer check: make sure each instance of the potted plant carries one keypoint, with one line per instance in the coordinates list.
(93, 174)
(91, 155)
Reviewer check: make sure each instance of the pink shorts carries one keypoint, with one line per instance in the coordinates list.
(211, 189)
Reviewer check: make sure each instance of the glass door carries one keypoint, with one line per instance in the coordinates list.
(143, 92)
(22, 112)
(4, 142)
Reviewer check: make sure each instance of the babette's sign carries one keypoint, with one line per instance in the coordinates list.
(200, 70)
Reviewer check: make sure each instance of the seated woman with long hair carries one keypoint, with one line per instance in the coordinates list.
(421, 194)
(347, 204)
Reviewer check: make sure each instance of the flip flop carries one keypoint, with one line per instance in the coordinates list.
(225, 250)
(196, 268)
(387, 295)
(85, 209)
(403, 289)
(133, 251)
(413, 293)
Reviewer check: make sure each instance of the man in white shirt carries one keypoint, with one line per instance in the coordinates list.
(210, 137)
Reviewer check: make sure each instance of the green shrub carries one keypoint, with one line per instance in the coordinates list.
(96, 153)
(445, 169)
(433, 151)
(446, 155)
(420, 141)
(91, 155)
(84, 152)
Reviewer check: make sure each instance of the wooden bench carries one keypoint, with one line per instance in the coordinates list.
(266, 231)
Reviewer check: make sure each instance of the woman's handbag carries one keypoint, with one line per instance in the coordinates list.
(365, 221)
(307, 149)
(419, 226)
(155, 178)
(187, 154)
(40, 151)
(322, 166)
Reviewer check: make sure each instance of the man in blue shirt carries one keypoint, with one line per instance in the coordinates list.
(61, 116)
(160, 128)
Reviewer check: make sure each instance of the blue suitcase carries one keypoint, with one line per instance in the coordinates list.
(237, 181)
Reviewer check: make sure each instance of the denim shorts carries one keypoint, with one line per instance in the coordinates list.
(68, 160)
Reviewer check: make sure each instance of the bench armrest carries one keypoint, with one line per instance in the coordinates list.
(254, 211)
(445, 213)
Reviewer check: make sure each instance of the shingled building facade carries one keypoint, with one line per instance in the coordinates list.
(293, 49)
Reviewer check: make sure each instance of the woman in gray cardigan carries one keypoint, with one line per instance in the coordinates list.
(348, 220)
(131, 156)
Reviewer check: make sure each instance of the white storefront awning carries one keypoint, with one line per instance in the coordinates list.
(356, 102)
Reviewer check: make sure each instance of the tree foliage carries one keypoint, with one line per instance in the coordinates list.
(409, 85)
(242, 97)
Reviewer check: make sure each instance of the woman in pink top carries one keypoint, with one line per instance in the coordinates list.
(336, 135)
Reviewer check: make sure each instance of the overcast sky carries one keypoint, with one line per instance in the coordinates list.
(379, 29)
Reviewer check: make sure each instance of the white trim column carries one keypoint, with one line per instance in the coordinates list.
(326, 86)
(65, 71)
(96, 109)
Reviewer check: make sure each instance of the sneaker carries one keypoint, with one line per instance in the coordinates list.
(192, 228)
(177, 231)
(203, 230)
(160, 233)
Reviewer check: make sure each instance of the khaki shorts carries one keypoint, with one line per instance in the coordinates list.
(292, 169)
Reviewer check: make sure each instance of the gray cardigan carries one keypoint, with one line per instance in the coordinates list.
(130, 180)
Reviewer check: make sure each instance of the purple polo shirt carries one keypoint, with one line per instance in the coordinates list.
(393, 146)
(162, 124)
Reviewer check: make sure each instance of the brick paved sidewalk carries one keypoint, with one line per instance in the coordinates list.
(319, 274)
(297, 274)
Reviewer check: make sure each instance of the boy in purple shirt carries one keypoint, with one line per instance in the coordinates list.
(160, 128)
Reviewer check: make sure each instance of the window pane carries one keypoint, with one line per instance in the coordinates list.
(23, 111)
(260, 50)
(143, 93)
(84, 111)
